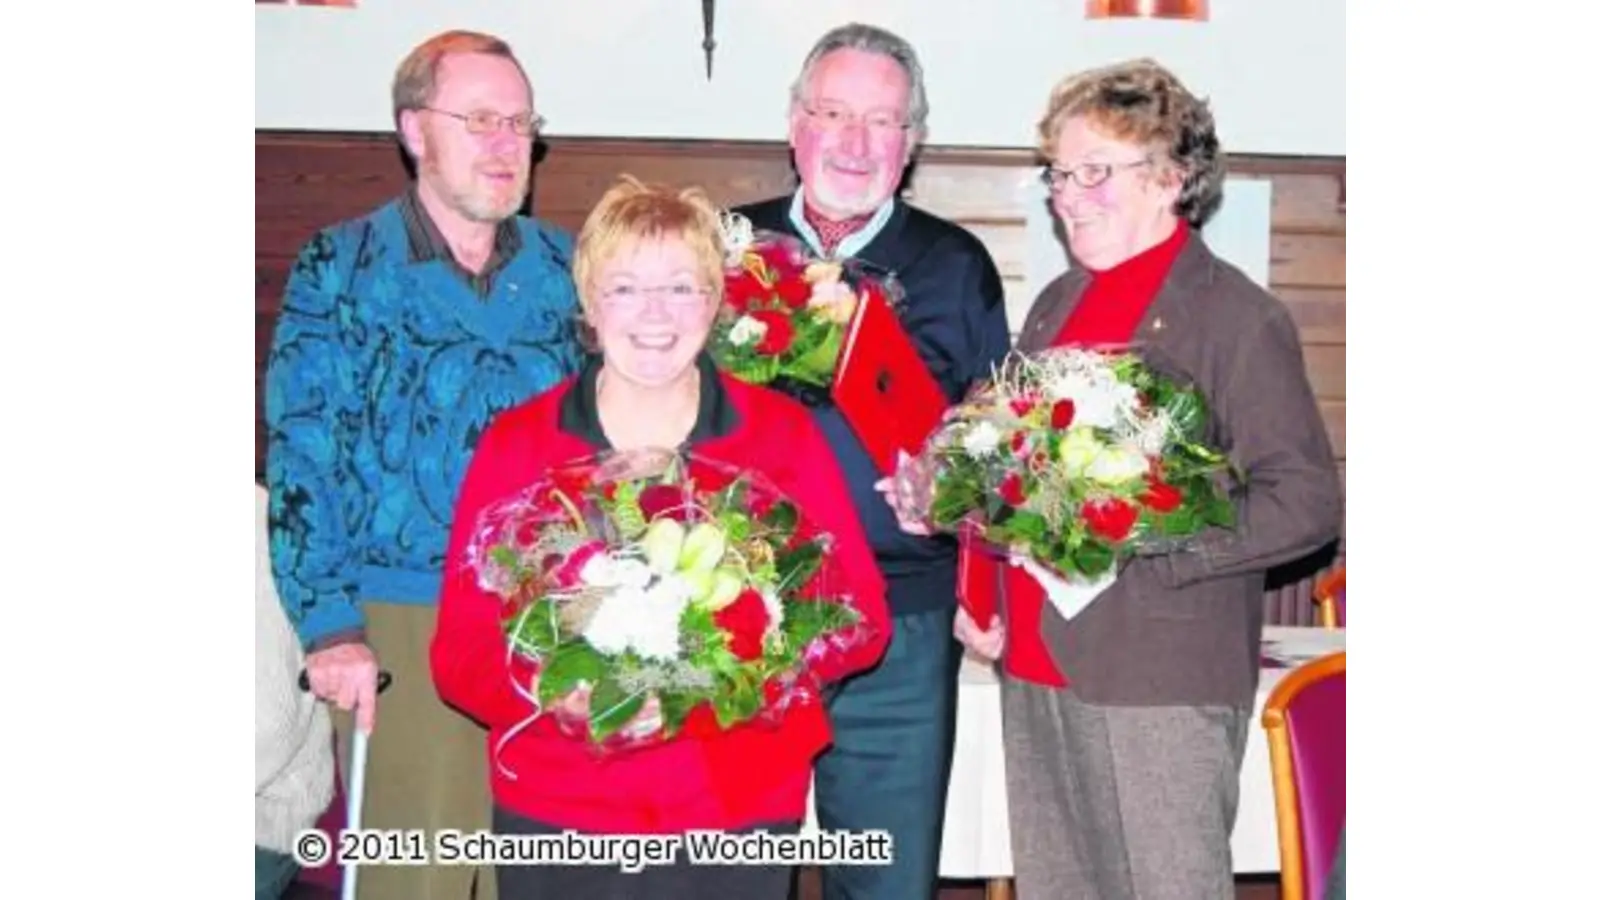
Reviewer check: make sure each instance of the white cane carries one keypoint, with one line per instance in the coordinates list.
(355, 787)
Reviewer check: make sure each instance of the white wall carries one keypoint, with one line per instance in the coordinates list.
(1274, 69)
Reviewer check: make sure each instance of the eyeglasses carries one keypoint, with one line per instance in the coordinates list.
(484, 121)
(833, 118)
(1088, 175)
(633, 297)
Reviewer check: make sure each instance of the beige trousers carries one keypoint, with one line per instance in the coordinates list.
(427, 764)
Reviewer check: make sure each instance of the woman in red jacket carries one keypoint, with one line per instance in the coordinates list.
(648, 267)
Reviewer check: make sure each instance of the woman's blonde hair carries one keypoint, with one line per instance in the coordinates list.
(632, 212)
(1144, 104)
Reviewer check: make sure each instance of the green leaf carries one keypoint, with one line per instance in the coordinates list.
(817, 364)
(625, 511)
(537, 631)
(563, 669)
(1178, 523)
(1092, 558)
(1188, 411)
(675, 709)
(741, 701)
(610, 708)
(1028, 526)
(738, 526)
(782, 517)
(1219, 510)
(797, 566)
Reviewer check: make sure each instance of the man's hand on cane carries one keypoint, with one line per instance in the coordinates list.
(346, 675)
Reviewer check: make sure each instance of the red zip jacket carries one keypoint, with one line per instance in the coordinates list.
(737, 779)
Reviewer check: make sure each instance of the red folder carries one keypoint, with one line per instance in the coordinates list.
(978, 578)
(882, 387)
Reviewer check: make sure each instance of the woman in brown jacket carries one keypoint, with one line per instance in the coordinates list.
(1125, 725)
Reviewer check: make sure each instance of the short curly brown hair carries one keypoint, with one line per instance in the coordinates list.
(1142, 103)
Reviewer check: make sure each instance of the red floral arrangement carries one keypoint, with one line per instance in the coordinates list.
(680, 594)
(785, 311)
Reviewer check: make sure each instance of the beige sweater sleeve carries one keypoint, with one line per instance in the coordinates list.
(294, 737)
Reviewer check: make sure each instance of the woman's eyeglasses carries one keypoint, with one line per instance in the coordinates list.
(1088, 175)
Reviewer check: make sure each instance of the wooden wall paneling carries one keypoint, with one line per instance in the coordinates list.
(305, 181)
(1318, 311)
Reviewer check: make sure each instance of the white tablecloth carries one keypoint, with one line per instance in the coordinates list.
(977, 837)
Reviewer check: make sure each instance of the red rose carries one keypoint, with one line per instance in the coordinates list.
(1021, 406)
(1011, 489)
(780, 332)
(785, 257)
(742, 289)
(710, 479)
(794, 292)
(664, 500)
(1019, 441)
(1061, 414)
(745, 622)
(1161, 497)
(1110, 519)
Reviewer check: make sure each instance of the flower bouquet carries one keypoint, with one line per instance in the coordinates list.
(664, 576)
(1074, 459)
(785, 313)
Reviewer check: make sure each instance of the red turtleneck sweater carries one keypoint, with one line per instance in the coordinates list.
(1113, 305)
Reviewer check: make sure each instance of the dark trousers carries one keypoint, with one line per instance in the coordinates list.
(679, 879)
(274, 872)
(889, 766)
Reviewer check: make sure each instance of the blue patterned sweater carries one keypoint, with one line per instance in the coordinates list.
(387, 364)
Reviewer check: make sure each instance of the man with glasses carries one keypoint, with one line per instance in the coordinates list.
(857, 112)
(402, 334)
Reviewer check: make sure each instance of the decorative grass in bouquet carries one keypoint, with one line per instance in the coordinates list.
(1077, 458)
(669, 576)
(785, 311)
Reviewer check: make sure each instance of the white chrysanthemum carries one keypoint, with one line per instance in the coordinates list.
(981, 440)
(644, 621)
(1098, 400)
(606, 571)
(747, 331)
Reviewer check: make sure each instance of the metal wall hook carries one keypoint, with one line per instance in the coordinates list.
(708, 14)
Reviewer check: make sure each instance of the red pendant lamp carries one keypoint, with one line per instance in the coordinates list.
(1190, 10)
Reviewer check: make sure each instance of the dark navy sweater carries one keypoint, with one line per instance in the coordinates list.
(955, 313)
